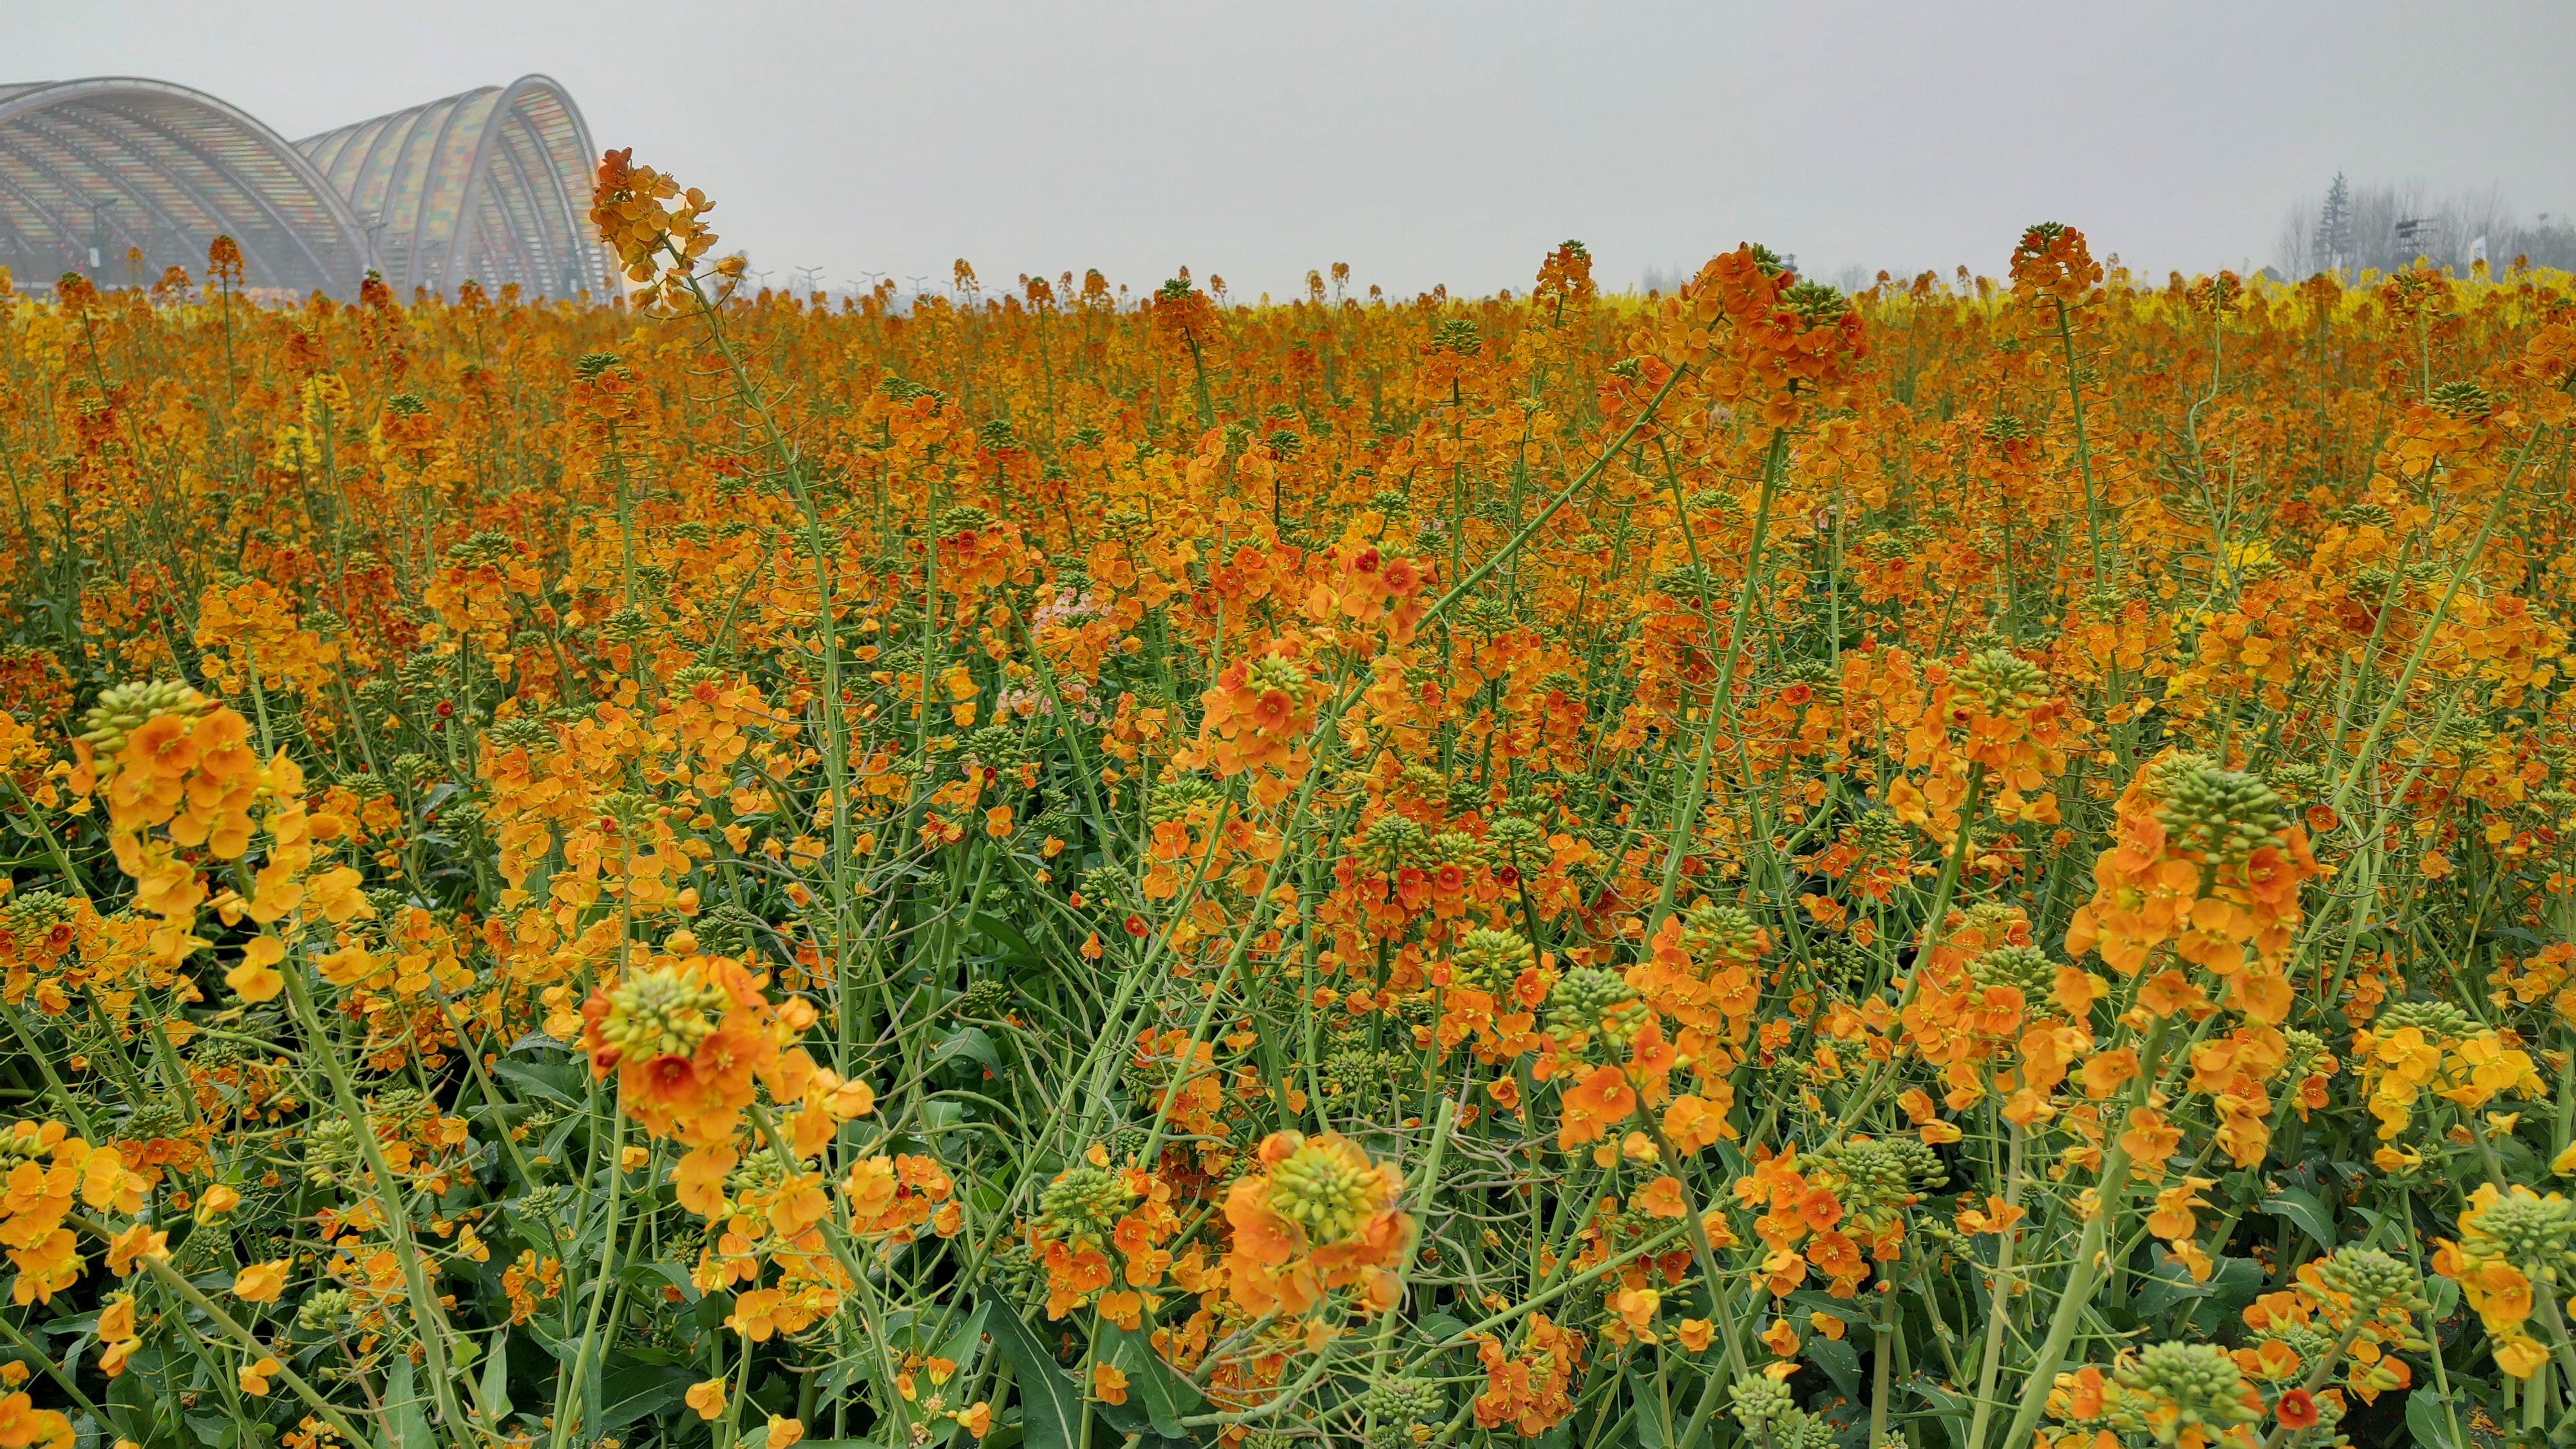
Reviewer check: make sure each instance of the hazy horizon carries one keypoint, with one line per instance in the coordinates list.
(1436, 144)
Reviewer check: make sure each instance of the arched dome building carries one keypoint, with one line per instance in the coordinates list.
(492, 185)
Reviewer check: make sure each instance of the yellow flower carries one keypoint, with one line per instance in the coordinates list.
(2520, 1356)
(260, 1282)
(256, 978)
(707, 1397)
(2246, 553)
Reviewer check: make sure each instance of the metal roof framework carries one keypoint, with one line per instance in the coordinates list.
(90, 169)
(491, 185)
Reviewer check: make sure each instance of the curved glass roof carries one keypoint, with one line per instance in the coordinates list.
(492, 185)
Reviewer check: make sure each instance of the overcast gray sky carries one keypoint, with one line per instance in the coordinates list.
(1426, 142)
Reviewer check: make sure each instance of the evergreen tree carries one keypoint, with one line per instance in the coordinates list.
(2334, 227)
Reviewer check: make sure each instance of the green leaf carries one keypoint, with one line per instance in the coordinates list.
(1165, 1395)
(496, 1382)
(2444, 1293)
(2233, 1283)
(1016, 947)
(1437, 1328)
(557, 1082)
(675, 1274)
(565, 1350)
(2308, 1212)
(967, 1041)
(1051, 1407)
(2426, 1420)
(131, 1407)
(2168, 1284)
(1840, 1361)
(1952, 1408)
(636, 1390)
(406, 1420)
(967, 1343)
(1650, 1427)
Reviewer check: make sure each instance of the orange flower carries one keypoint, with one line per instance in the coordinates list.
(116, 1320)
(1601, 1101)
(1780, 1338)
(136, 1242)
(1662, 1198)
(699, 1178)
(1692, 1124)
(1637, 1308)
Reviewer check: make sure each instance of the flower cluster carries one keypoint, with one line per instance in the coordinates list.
(2517, 1250)
(2208, 863)
(1318, 1217)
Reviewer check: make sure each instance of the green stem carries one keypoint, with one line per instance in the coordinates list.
(2086, 1272)
(1722, 693)
(430, 1320)
(1999, 1301)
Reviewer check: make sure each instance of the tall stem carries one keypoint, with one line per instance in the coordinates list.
(429, 1323)
(2085, 1273)
(2000, 1301)
(1722, 694)
(2083, 452)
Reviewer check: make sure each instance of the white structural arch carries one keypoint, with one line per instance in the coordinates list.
(491, 186)
(91, 170)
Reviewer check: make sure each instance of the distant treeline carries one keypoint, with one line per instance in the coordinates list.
(2383, 228)
(2358, 228)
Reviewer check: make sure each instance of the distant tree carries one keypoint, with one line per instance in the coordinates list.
(2385, 228)
(2334, 227)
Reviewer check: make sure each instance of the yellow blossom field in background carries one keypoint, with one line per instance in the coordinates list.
(1974, 864)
